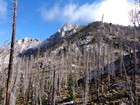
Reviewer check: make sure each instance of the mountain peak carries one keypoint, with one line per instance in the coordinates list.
(69, 26)
(68, 29)
(26, 40)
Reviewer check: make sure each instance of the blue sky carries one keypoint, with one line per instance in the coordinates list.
(42, 18)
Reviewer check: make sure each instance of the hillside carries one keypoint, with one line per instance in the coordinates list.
(97, 64)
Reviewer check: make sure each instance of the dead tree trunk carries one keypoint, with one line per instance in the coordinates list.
(108, 66)
(134, 69)
(10, 66)
(87, 77)
(53, 87)
(103, 64)
(98, 73)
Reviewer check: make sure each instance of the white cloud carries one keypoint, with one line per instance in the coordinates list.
(51, 14)
(3, 9)
(115, 11)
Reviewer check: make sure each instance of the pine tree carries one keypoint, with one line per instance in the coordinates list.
(71, 92)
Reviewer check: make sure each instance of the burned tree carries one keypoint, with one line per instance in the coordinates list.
(10, 66)
(134, 16)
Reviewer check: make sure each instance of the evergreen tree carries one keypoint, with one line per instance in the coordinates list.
(71, 92)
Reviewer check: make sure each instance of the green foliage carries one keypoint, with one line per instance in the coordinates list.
(71, 91)
(43, 100)
(93, 41)
(29, 102)
(1, 99)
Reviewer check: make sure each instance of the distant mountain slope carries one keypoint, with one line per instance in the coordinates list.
(81, 36)
(66, 31)
(108, 33)
(28, 46)
(20, 46)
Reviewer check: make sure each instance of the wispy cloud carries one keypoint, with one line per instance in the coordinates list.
(115, 11)
(4, 36)
(3, 10)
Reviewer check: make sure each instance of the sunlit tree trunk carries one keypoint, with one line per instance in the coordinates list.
(103, 64)
(54, 81)
(10, 66)
(86, 59)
